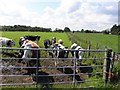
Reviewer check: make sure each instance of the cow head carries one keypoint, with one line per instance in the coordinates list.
(10, 43)
(21, 41)
(27, 53)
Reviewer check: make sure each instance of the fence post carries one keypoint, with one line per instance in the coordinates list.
(107, 62)
(37, 66)
(74, 70)
(89, 47)
(111, 65)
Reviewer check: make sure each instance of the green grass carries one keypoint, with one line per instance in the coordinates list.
(91, 86)
(100, 41)
(97, 41)
(44, 35)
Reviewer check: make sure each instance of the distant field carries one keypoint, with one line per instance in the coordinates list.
(44, 35)
(100, 41)
(97, 41)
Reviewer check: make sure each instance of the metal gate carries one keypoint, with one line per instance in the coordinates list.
(63, 69)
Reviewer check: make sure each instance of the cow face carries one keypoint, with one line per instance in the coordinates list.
(27, 53)
(21, 41)
(10, 43)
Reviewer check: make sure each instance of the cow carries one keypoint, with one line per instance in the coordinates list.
(33, 38)
(53, 41)
(77, 52)
(24, 38)
(60, 51)
(6, 42)
(29, 37)
(47, 43)
(28, 44)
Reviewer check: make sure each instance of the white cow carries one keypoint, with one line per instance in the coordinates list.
(6, 42)
(78, 54)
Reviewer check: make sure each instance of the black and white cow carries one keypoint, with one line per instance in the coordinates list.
(53, 41)
(6, 42)
(47, 43)
(77, 52)
(29, 37)
(60, 51)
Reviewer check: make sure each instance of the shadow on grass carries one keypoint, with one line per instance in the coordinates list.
(44, 80)
(70, 71)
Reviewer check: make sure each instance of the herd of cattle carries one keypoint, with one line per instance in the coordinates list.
(28, 42)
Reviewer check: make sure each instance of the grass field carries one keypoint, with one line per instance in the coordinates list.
(97, 41)
(100, 41)
(44, 35)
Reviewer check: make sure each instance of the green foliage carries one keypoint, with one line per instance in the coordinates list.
(116, 68)
(25, 28)
(115, 30)
(66, 29)
(116, 73)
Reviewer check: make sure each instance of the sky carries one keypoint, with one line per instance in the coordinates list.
(75, 14)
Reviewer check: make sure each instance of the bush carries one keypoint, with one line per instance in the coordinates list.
(116, 73)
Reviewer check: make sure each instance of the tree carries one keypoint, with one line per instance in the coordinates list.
(66, 29)
(115, 30)
(82, 30)
(105, 32)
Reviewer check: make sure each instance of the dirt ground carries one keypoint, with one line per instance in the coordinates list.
(31, 78)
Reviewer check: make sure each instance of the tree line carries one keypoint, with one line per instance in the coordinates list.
(32, 29)
(25, 28)
(115, 30)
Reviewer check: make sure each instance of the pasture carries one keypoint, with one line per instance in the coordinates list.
(96, 41)
(44, 35)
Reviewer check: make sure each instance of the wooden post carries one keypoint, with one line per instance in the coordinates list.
(106, 67)
(89, 47)
(111, 66)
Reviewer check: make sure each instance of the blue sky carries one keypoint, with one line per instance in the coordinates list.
(75, 14)
(39, 6)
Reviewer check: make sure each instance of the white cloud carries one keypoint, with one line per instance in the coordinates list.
(76, 14)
